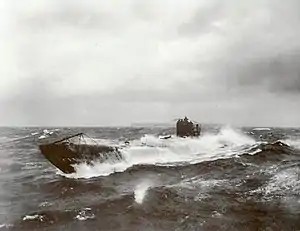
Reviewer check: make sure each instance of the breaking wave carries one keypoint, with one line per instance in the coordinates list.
(151, 150)
(295, 143)
(283, 184)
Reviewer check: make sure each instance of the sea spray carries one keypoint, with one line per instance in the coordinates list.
(293, 142)
(151, 150)
(141, 189)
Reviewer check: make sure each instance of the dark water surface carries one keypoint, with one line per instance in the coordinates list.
(228, 179)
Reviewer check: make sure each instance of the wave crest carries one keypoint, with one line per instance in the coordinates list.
(151, 150)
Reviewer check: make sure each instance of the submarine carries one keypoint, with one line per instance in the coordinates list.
(187, 128)
(64, 152)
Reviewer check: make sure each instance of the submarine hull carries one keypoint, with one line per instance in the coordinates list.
(64, 154)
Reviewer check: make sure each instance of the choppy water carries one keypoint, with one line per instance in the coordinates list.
(220, 181)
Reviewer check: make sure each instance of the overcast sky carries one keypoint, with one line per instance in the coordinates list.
(112, 62)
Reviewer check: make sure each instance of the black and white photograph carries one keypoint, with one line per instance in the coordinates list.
(150, 115)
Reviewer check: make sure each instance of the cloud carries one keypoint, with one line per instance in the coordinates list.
(221, 59)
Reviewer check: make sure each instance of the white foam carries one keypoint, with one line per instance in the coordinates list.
(155, 151)
(293, 142)
(287, 180)
(42, 137)
(199, 184)
(45, 133)
(281, 184)
(99, 169)
(33, 217)
(85, 214)
(5, 226)
(261, 129)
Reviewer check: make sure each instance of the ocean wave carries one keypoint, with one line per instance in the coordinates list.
(261, 129)
(151, 150)
(5, 226)
(293, 142)
(284, 183)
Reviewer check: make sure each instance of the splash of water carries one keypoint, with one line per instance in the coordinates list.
(151, 150)
(140, 191)
(295, 143)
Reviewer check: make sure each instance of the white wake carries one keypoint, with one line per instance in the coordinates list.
(151, 150)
